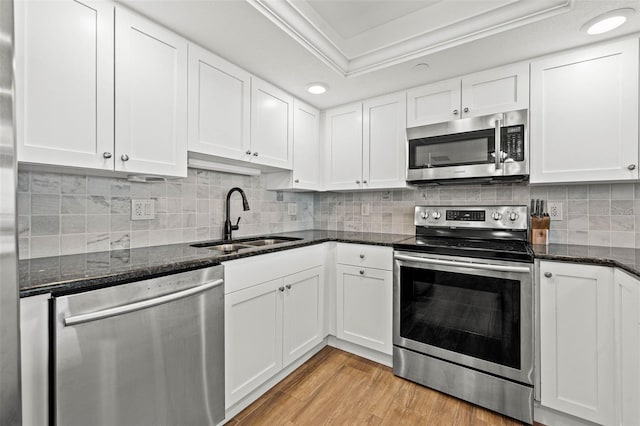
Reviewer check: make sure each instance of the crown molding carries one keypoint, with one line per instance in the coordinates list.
(291, 20)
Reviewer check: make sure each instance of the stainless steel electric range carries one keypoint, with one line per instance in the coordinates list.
(463, 306)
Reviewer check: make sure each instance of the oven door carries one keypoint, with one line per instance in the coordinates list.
(472, 312)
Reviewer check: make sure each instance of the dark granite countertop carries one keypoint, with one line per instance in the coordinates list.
(89, 271)
(624, 258)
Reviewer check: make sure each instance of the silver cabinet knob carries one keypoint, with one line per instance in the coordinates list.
(358, 182)
(255, 154)
(281, 289)
(296, 181)
(106, 155)
(364, 181)
(548, 274)
(362, 256)
(361, 271)
(248, 152)
(455, 112)
(288, 286)
(631, 167)
(124, 157)
(465, 109)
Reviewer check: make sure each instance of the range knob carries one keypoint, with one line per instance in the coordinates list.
(496, 216)
(513, 216)
(435, 215)
(424, 214)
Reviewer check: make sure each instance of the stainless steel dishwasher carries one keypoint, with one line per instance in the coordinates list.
(145, 353)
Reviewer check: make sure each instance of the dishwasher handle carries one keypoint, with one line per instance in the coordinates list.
(132, 307)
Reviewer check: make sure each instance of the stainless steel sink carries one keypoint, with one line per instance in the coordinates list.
(244, 244)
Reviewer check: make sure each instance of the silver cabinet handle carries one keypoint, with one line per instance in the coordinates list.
(281, 289)
(548, 274)
(106, 155)
(362, 256)
(364, 181)
(455, 263)
(465, 109)
(255, 154)
(124, 157)
(248, 152)
(361, 271)
(296, 181)
(358, 182)
(137, 306)
(631, 167)
(498, 143)
(455, 112)
(288, 286)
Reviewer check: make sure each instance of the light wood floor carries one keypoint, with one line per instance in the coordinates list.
(335, 387)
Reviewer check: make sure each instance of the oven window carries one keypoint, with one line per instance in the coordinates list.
(468, 314)
(452, 150)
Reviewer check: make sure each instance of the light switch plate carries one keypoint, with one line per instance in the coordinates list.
(142, 209)
(555, 210)
(292, 209)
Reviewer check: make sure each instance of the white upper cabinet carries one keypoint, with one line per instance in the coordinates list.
(584, 115)
(219, 106)
(64, 81)
(151, 97)
(365, 144)
(384, 142)
(271, 125)
(343, 147)
(487, 92)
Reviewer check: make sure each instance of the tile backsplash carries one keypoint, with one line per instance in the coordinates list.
(599, 214)
(68, 214)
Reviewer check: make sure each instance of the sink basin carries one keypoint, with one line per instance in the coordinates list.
(244, 244)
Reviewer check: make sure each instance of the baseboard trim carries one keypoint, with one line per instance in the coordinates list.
(370, 354)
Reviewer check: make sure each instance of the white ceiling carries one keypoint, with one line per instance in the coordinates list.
(364, 48)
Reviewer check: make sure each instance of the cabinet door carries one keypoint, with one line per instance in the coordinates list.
(343, 147)
(271, 125)
(219, 106)
(364, 307)
(497, 90)
(306, 149)
(151, 98)
(627, 336)
(64, 82)
(303, 313)
(384, 142)
(34, 349)
(577, 340)
(584, 115)
(434, 103)
(253, 338)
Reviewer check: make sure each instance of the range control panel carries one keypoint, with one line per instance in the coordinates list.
(482, 217)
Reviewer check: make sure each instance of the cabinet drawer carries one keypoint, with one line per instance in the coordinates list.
(366, 256)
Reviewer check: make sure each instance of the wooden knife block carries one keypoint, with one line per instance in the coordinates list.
(539, 230)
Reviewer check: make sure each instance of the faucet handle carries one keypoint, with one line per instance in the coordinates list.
(235, 227)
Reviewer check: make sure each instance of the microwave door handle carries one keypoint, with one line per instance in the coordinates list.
(498, 143)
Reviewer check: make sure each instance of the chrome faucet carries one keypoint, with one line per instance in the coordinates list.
(228, 227)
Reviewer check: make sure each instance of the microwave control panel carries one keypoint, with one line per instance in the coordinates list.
(513, 142)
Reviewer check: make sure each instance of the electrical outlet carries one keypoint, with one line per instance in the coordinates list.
(555, 210)
(292, 209)
(142, 209)
(364, 209)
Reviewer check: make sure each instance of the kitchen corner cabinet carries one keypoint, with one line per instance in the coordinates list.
(483, 93)
(271, 125)
(151, 97)
(34, 349)
(305, 175)
(274, 314)
(584, 115)
(219, 106)
(64, 83)
(364, 296)
(577, 340)
(365, 144)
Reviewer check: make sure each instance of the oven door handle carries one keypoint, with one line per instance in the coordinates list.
(498, 268)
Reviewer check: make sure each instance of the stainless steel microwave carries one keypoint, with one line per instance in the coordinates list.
(491, 148)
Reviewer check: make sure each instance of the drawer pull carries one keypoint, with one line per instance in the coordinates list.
(362, 256)
(361, 271)
(548, 274)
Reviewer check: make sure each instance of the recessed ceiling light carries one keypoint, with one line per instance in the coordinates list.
(607, 21)
(316, 88)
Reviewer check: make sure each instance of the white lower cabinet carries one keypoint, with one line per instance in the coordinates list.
(269, 324)
(589, 329)
(364, 296)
